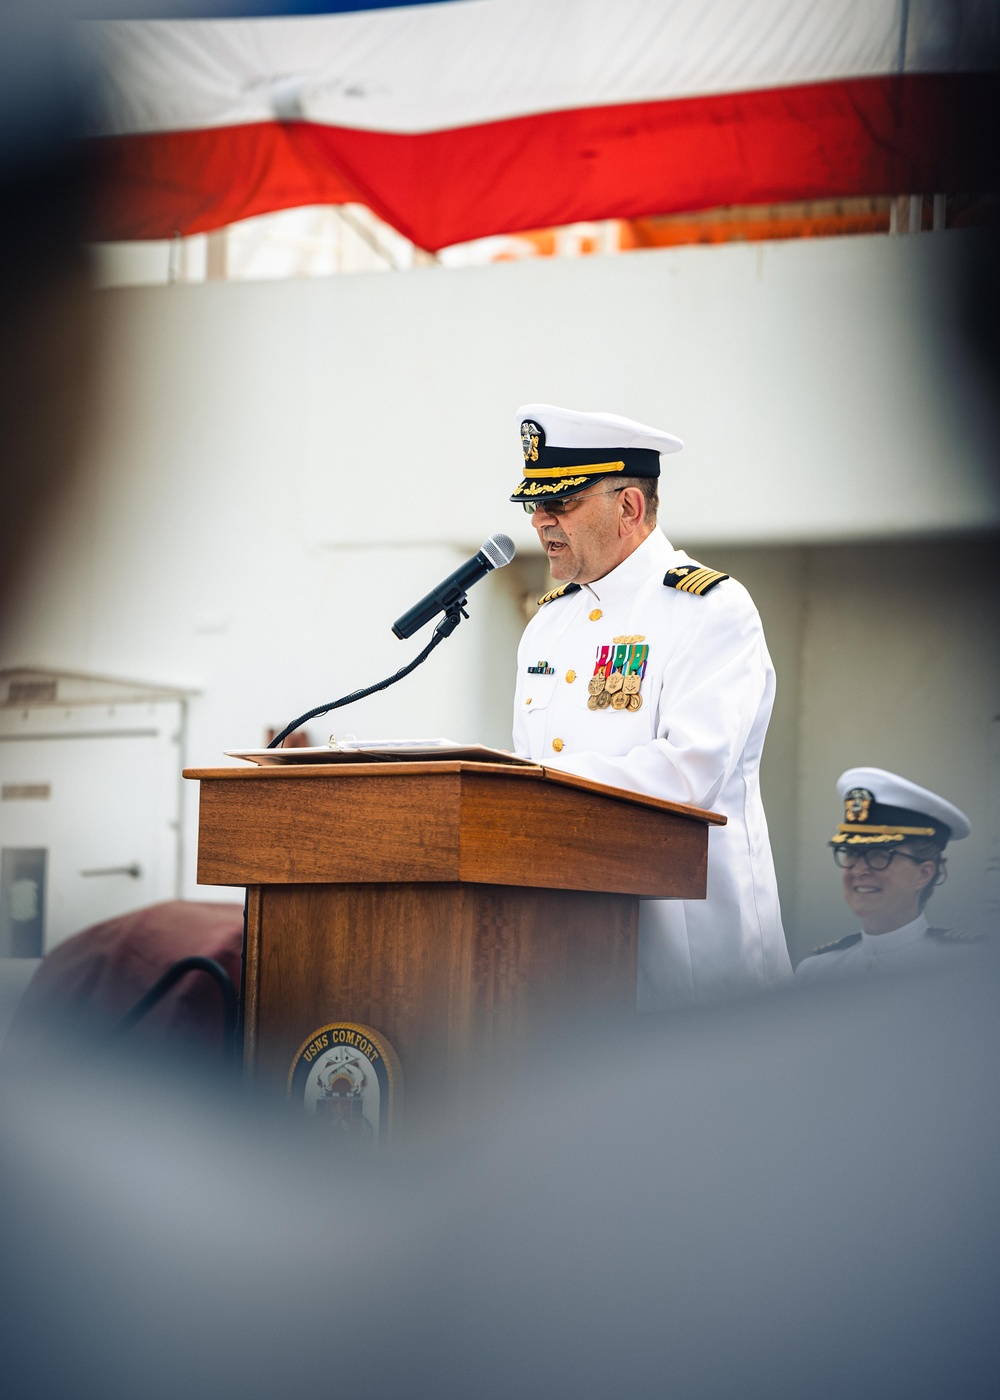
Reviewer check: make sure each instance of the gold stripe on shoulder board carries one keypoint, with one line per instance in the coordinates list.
(690, 584)
(693, 578)
(952, 935)
(559, 592)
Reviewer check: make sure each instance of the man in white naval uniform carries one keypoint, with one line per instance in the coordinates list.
(890, 851)
(648, 672)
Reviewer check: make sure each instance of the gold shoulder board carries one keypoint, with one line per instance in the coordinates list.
(693, 578)
(953, 935)
(838, 946)
(559, 592)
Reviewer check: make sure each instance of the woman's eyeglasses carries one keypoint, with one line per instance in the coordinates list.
(877, 859)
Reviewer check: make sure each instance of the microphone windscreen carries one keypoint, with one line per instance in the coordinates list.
(499, 550)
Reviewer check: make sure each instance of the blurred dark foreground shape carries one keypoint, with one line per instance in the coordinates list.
(795, 1198)
(49, 326)
(792, 1197)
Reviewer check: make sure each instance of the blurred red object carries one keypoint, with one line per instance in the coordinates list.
(98, 975)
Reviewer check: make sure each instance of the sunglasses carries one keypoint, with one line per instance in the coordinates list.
(565, 507)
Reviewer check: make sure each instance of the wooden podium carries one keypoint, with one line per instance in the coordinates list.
(448, 907)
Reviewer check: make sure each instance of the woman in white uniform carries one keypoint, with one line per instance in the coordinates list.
(890, 852)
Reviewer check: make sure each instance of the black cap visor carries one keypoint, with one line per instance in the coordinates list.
(884, 825)
(555, 488)
(560, 472)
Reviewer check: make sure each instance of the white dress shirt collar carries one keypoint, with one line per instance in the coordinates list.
(654, 555)
(897, 938)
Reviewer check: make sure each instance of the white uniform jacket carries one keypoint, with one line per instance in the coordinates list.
(707, 694)
(916, 945)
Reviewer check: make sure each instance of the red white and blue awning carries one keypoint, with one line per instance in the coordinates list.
(462, 118)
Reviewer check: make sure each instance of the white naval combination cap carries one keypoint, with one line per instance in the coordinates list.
(883, 808)
(565, 450)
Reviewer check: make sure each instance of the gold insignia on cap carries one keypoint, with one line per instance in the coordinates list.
(586, 469)
(530, 434)
(857, 805)
(873, 835)
(541, 488)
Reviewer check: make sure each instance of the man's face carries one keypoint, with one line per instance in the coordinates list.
(883, 900)
(582, 537)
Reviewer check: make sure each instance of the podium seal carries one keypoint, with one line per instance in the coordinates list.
(349, 1076)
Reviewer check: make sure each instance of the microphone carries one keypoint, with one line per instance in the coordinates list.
(449, 595)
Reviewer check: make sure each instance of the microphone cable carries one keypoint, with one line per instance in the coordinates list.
(444, 629)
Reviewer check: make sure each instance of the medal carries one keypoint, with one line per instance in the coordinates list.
(634, 671)
(597, 681)
(619, 664)
(638, 659)
(618, 675)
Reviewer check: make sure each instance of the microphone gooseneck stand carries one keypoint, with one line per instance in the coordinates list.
(445, 627)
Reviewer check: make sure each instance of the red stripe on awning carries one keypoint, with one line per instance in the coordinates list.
(917, 133)
(153, 186)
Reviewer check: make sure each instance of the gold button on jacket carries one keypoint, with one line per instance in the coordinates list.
(557, 744)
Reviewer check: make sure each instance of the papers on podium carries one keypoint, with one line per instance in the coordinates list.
(382, 751)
